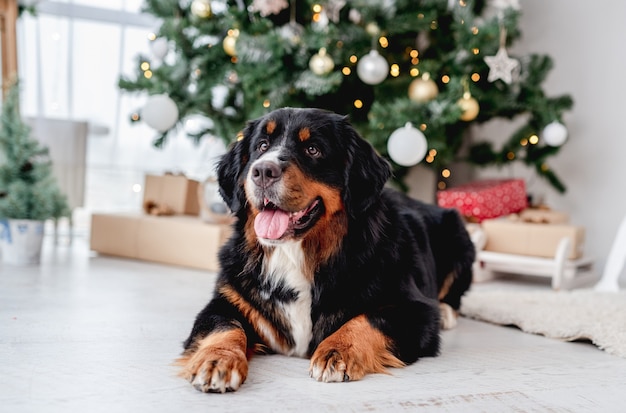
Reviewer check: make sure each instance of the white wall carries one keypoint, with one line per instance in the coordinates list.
(587, 43)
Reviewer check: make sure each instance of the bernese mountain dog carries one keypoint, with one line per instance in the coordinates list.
(325, 261)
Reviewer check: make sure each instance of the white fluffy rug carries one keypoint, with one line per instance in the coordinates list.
(567, 315)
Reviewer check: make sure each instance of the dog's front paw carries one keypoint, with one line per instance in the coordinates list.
(217, 364)
(353, 351)
(216, 371)
(448, 316)
(329, 366)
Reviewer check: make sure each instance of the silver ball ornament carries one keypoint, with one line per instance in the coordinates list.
(372, 68)
(159, 47)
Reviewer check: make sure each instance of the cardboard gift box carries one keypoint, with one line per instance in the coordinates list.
(172, 192)
(543, 216)
(485, 199)
(534, 239)
(179, 239)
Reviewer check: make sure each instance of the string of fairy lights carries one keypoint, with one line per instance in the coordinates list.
(407, 146)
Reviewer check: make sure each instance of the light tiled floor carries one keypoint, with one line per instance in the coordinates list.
(84, 333)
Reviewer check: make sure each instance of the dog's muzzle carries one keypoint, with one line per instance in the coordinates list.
(278, 220)
(266, 173)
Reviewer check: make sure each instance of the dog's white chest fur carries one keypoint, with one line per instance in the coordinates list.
(285, 265)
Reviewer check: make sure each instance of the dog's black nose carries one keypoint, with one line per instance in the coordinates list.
(265, 173)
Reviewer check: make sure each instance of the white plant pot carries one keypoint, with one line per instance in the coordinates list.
(20, 241)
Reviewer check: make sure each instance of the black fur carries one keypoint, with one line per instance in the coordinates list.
(390, 266)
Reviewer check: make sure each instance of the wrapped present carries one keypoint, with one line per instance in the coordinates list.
(485, 199)
(514, 236)
(170, 194)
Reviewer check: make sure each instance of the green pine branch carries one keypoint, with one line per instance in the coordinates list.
(28, 189)
(271, 70)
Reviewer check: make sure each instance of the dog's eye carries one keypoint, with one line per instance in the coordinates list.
(313, 151)
(263, 145)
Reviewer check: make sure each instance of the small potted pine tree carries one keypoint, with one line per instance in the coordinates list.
(29, 194)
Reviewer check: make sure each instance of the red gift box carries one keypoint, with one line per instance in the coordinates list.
(485, 199)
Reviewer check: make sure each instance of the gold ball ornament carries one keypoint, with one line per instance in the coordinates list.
(321, 63)
(230, 42)
(423, 89)
(372, 29)
(201, 8)
(469, 106)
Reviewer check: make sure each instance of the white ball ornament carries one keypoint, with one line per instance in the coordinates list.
(355, 16)
(407, 146)
(321, 22)
(160, 112)
(372, 68)
(554, 134)
(159, 47)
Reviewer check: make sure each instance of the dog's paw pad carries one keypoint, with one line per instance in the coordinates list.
(220, 372)
(216, 381)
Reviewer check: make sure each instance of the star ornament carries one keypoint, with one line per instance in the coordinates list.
(267, 7)
(501, 66)
(333, 8)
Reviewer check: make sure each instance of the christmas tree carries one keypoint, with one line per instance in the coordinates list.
(28, 190)
(414, 76)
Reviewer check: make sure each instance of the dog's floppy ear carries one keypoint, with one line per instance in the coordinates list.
(230, 170)
(366, 171)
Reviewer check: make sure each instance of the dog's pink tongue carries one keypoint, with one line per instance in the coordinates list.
(271, 224)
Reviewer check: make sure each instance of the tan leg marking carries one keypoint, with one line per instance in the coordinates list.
(264, 328)
(353, 351)
(445, 287)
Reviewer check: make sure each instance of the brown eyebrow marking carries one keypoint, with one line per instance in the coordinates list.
(304, 134)
(270, 127)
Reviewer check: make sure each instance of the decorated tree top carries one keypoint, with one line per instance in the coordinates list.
(427, 70)
(28, 189)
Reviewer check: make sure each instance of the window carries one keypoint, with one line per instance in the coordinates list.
(71, 55)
